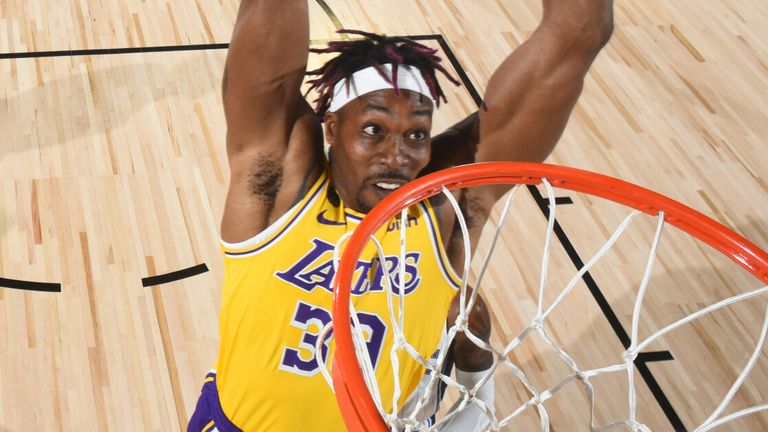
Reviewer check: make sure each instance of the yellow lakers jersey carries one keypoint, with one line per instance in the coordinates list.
(277, 298)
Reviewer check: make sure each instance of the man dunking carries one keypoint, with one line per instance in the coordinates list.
(288, 205)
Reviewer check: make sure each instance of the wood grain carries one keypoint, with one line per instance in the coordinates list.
(113, 168)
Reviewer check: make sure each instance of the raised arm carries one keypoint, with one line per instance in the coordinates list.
(271, 131)
(530, 96)
(526, 107)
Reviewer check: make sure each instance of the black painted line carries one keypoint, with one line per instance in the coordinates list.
(560, 201)
(139, 50)
(112, 51)
(654, 356)
(463, 77)
(30, 286)
(661, 398)
(165, 48)
(174, 276)
(331, 15)
(641, 363)
(193, 47)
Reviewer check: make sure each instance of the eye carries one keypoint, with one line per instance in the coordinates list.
(371, 129)
(418, 135)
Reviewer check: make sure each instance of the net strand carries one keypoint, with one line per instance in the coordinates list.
(552, 207)
(358, 339)
(592, 261)
(734, 416)
(362, 354)
(401, 304)
(321, 339)
(496, 235)
(467, 249)
(696, 315)
(742, 377)
(632, 393)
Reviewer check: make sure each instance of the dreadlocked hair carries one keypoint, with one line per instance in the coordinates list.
(374, 50)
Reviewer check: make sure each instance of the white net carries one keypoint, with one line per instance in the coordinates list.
(415, 415)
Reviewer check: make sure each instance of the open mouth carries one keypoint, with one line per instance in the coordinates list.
(388, 186)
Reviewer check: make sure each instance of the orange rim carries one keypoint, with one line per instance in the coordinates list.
(357, 405)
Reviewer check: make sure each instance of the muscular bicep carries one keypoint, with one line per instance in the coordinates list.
(530, 97)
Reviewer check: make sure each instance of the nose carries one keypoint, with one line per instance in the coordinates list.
(393, 153)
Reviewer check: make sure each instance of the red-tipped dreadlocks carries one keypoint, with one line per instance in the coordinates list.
(374, 50)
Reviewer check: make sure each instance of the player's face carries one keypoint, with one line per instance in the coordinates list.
(379, 142)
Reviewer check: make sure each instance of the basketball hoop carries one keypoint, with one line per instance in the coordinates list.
(361, 411)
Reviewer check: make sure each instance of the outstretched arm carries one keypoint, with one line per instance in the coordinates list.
(531, 94)
(271, 130)
(527, 104)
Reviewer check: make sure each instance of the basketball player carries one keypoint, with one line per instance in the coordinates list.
(288, 205)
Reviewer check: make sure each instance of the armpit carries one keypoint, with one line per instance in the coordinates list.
(475, 209)
(265, 178)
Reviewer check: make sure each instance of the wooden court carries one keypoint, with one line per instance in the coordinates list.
(113, 171)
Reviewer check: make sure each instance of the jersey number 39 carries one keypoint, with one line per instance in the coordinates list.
(311, 319)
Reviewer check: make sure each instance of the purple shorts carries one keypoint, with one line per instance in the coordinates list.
(208, 415)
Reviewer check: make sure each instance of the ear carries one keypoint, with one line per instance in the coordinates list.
(331, 124)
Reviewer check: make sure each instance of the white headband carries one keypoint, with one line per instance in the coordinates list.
(369, 79)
